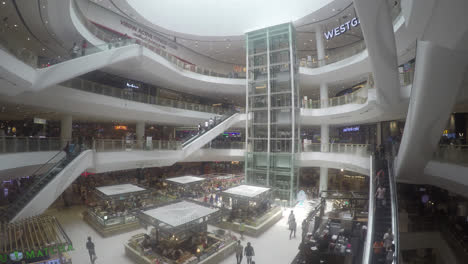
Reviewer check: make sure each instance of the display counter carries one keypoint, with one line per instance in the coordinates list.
(252, 206)
(179, 236)
(114, 208)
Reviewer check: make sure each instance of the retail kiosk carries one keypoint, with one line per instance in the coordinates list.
(115, 206)
(34, 240)
(252, 206)
(185, 186)
(178, 234)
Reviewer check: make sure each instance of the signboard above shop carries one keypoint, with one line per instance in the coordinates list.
(342, 29)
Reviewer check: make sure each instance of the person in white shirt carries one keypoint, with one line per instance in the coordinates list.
(380, 194)
(388, 239)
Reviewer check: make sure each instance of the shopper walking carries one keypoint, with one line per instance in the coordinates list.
(91, 250)
(291, 217)
(249, 253)
(292, 227)
(239, 252)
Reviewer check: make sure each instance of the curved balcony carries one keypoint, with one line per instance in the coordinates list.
(344, 53)
(457, 154)
(102, 89)
(356, 97)
(30, 144)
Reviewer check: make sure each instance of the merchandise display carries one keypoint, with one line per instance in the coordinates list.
(114, 207)
(34, 240)
(179, 234)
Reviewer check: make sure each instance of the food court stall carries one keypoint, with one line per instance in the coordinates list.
(179, 235)
(35, 240)
(185, 186)
(114, 208)
(251, 205)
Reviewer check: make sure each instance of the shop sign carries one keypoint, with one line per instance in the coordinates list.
(39, 121)
(120, 127)
(145, 35)
(351, 129)
(342, 29)
(40, 253)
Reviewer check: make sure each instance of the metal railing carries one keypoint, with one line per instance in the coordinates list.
(457, 154)
(344, 53)
(367, 250)
(394, 206)
(356, 97)
(112, 37)
(30, 144)
(364, 150)
(103, 89)
(103, 145)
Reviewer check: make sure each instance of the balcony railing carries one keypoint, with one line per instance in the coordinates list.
(93, 87)
(457, 154)
(363, 150)
(338, 56)
(114, 145)
(30, 144)
(356, 97)
(112, 37)
(225, 145)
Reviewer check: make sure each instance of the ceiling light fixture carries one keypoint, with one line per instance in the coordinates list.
(15, 25)
(333, 9)
(3, 3)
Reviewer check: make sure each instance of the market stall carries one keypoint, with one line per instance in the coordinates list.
(114, 208)
(185, 186)
(179, 234)
(252, 206)
(34, 240)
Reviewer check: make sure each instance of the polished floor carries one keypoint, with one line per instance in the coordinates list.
(273, 246)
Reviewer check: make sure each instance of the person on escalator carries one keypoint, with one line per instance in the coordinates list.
(380, 194)
(206, 126)
(211, 123)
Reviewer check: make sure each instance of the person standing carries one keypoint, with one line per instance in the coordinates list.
(292, 227)
(239, 251)
(388, 239)
(304, 227)
(380, 194)
(199, 128)
(291, 217)
(211, 123)
(389, 257)
(241, 229)
(74, 50)
(91, 250)
(249, 253)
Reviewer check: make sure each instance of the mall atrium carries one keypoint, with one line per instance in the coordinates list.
(262, 131)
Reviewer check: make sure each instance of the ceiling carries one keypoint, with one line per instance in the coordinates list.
(230, 48)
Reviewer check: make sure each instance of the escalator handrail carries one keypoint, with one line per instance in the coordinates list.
(40, 180)
(367, 254)
(191, 139)
(394, 206)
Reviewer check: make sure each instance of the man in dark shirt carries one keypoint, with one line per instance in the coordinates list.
(92, 253)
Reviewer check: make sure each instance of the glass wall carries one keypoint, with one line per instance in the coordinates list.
(272, 107)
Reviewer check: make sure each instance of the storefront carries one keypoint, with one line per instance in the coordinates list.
(35, 240)
(251, 205)
(185, 187)
(179, 234)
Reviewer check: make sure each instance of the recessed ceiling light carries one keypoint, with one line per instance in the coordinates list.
(29, 39)
(3, 3)
(333, 9)
(15, 25)
(47, 22)
(43, 49)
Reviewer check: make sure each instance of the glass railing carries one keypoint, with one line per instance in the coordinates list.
(103, 89)
(112, 37)
(356, 97)
(346, 52)
(110, 145)
(215, 144)
(364, 150)
(8, 44)
(30, 144)
(457, 154)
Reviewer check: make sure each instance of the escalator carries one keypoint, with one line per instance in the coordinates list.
(196, 142)
(16, 210)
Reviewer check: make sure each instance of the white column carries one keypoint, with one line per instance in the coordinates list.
(324, 138)
(323, 95)
(323, 179)
(140, 131)
(320, 45)
(66, 129)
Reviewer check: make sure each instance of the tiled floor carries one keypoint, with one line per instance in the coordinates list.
(272, 247)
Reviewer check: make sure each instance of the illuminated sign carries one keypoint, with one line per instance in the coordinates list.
(120, 127)
(351, 129)
(33, 254)
(342, 29)
(39, 121)
(131, 85)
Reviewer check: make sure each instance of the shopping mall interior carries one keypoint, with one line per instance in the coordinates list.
(264, 131)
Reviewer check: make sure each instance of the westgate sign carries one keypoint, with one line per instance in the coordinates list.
(33, 254)
(342, 29)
